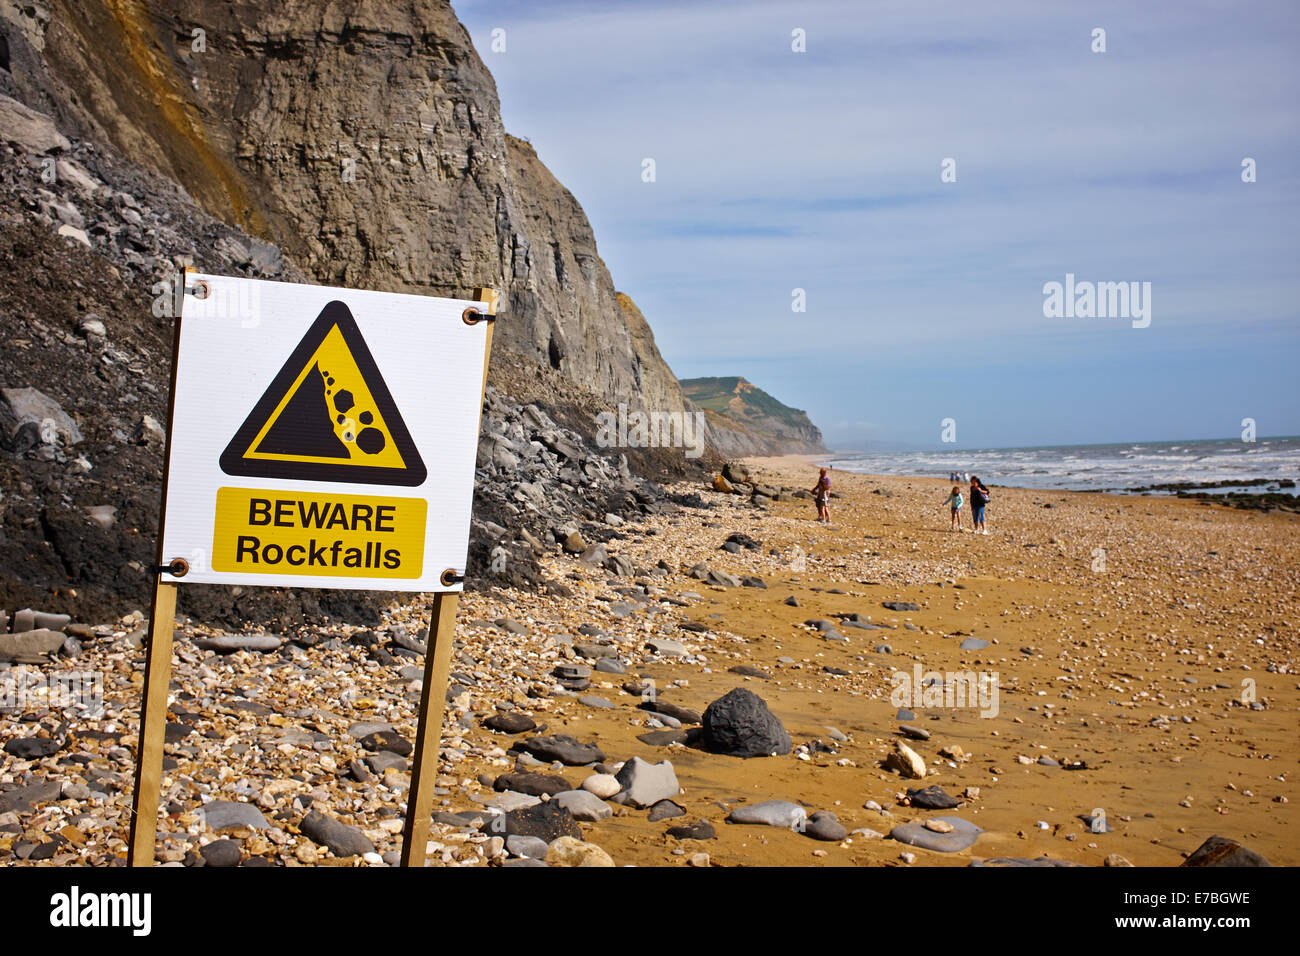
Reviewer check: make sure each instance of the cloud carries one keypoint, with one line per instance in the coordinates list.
(821, 171)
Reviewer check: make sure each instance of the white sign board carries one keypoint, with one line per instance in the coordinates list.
(322, 438)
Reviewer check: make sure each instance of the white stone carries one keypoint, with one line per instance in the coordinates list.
(603, 785)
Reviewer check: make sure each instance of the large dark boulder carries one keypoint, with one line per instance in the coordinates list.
(740, 725)
(1220, 851)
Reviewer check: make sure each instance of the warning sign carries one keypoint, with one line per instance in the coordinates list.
(327, 415)
(323, 437)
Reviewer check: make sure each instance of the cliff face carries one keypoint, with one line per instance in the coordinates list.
(362, 138)
(748, 421)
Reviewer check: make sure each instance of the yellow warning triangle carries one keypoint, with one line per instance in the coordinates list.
(327, 416)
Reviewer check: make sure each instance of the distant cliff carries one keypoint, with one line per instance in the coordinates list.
(748, 421)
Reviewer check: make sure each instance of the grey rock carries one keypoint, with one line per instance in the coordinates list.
(389, 740)
(386, 760)
(973, 644)
(772, 813)
(666, 647)
(29, 620)
(367, 727)
(665, 719)
(1096, 824)
(611, 665)
(963, 835)
(598, 702)
(529, 847)
(32, 131)
(221, 854)
(230, 643)
(31, 647)
(933, 798)
(32, 748)
(1020, 861)
(665, 810)
(25, 798)
(568, 750)
(533, 784)
(699, 830)
(664, 738)
(645, 784)
(620, 566)
(583, 805)
(509, 723)
(225, 814)
(342, 840)
(595, 651)
(722, 579)
(823, 825)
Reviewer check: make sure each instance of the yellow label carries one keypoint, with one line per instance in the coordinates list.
(261, 531)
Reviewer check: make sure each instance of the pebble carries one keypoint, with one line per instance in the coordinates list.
(823, 825)
(932, 798)
(644, 784)
(603, 785)
(227, 814)
(665, 810)
(699, 830)
(583, 805)
(962, 835)
(221, 853)
(520, 844)
(772, 813)
(570, 851)
(343, 840)
(906, 761)
(510, 723)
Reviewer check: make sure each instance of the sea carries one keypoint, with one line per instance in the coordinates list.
(1123, 467)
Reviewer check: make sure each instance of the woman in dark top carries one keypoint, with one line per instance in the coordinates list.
(821, 495)
(979, 497)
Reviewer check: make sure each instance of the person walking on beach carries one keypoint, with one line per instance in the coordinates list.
(821, 493)
(979, 497)
(954, 501)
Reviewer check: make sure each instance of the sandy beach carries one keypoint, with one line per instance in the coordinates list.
(1127, 636)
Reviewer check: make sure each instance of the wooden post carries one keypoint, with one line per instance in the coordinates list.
(158, 660)
(433, 695)
(153, 727)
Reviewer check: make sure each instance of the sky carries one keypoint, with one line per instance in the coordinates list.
(823, 171)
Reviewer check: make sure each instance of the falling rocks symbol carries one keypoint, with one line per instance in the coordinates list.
(327, 416)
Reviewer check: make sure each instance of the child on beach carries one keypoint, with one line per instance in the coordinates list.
(954, 501)
(821, 495)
